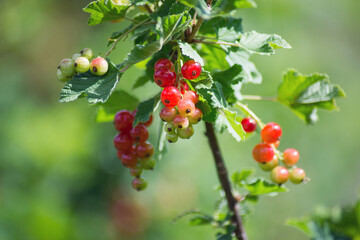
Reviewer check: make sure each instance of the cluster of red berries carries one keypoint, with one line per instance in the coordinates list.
(265, 154)
(132, 148)
(179, 111)
(80, 63)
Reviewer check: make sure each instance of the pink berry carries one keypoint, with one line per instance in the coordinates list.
(123, 121)
(192, 96)
(291, 157)
(195, 116)
(181, 121)
(186, 107)
(167, 114)
(279, 175)
(123, 142)
(163, 62)
(139, 133)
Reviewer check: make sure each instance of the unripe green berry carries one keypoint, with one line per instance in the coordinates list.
(268, 166)
(171, 138)
(297, 175)
(147, 164)
(67, 67)
(61, 77)
(82, 65)
(136, 172)
(88, 53)
(99, 66)
(170, 128)
(279, 175)
(139, 184)
(75, 56)
(185, 133)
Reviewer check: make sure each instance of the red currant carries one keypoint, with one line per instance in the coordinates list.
(149, 122)
(271, 133)
(297, 175)
(185, 133)
(268, 166)
(163, 62)
(129, 159)
(181, 121)
(279, 175)
(170, 128)
(170, 96)
(139, 133)
(139, 184)
(248, 124)
(123, 121)
(195, 116)
(167, 114)
(291, 157)
(191, 69)
(192, 96)
(171, 138)
(263, 153)
(144, 150)
(183, 86)
(123, 142)
(186, 107)
(136, 171)
(147, 163)
(164, 77)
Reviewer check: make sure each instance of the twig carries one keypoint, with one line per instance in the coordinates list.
(148, 9)
(195, 30)
(217, 42)
(225, 183)
(251, 113)
(255, 97)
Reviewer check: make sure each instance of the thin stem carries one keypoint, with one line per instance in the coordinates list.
(225, 183)
(195, 30)
(255, 97)
(217, 42)
(123, 35)
(251, 113)
(130, 19)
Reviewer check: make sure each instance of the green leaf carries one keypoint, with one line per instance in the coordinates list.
(201, 7)
(95, 88)
(200, 220)
(245, 4)
(187, 50)
(146, 108)
(161, 148)
(228, 118)
(118, 100)
(301, 224)
(141, 81)
(223, 28)
(304, 94)
(261, 186)
(260, 43)
(205, 80)
(104, 10)
(214, 56)
(239, 177)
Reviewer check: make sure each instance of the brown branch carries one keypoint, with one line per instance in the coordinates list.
(148, 9)
(195, 30)
(225, 183)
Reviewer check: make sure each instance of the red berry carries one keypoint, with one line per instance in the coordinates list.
(123, 142)
(181, 121)
(144, 150)
(183, 86)
(139, 184)
(139, 133)
(186, 107)
(163, 62)
(192, 96)
(191, 69)
(271, 133)
(170, 96)
(167, 114)
(119, 154)
(291, 157)
(129, 159)
(263, 153)
(248, 124)
(164, 77)
(297, 175)
(195, 116)
(279, 175)
(123, 121)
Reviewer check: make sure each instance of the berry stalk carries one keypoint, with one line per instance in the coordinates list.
(224, 181)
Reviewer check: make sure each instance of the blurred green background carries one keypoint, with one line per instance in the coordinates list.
(59, 175)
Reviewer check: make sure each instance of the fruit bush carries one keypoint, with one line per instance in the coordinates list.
(199, 56)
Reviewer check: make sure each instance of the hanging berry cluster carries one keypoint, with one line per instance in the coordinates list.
(133, 149)
(267, 155)
(179, 109)
(80, 63)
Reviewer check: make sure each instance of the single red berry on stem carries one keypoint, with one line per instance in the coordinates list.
(167, 114)
(123, 142)
(164, 77)
(279, 175)
(181, 121)
(192, 96)
(139, 133)
(191, 70)
(163, 62)
(263, 153)
(248, 124)
(271, 133)
(170, 96)
(186, 107)
(130, 159)
(144, 150)
(291, 156)
(123, 121)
